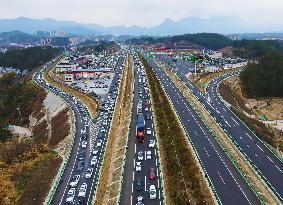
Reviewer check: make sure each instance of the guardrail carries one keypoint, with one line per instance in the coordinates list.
(127, 145)
(239, 149)
(60, 172)
(202, 169)
(93, 197)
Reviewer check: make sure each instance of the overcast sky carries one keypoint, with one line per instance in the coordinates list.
(143, 12)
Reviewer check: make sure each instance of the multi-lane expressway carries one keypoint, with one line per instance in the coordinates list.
(229, 186)
(130, 192)
(260, 156)
(85, 130)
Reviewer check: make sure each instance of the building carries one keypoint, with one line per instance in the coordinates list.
(60, 41)
(89, 72)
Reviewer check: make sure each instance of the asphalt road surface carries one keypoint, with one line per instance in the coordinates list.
(130, 194)
(228, 183)
(93, 130)
(256, 152)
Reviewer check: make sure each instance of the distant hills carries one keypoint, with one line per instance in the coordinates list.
(167, 27)
(16, 37)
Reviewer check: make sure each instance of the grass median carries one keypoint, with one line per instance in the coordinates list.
(184, 183)
(111, 178)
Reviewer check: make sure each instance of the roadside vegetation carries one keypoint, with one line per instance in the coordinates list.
(110, 183)
(24, 162)
(184, 182)
(265, 78)
(28, 58)
(266, 133)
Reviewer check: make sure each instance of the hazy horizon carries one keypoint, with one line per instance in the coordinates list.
(144, 13)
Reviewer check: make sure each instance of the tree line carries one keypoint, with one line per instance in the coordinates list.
(265, 77)
(28, 58)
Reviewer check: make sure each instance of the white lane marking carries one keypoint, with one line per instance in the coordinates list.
(234, 120)
(133, 176)
(249, 136)
(278, 169)
(135, 148)
(259, 147)
(269, 159)
(144, 183)
(221, 178)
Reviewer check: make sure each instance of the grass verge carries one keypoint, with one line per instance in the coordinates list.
(267, 134)
(109, 183)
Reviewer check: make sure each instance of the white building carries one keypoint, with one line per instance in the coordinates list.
(211, 69)
(235, 65)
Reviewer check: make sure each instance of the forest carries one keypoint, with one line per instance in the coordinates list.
(28, 58)
(265, 77)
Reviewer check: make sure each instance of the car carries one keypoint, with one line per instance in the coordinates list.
(84, 144)
(88, 173)
(80, 166)
(99, 143)
(82, 190)
(139, 184)
(147, 117)
(152, 192)
(81, 155)
(71, 196)
(151, 143)
(138, 166)
(148, 155)
(95, 150)
(152, 174)
(84, 136)
(140, 201)
(75, 180)
(82, 201)
(146, 108)
(148, 131)
(140, 155)
(93, 161)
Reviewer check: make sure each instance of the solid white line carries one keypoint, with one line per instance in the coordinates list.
(135, 148)
(234, 120)
(133, 175)
(144, 183)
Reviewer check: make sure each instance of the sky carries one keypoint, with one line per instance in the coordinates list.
(143, 12)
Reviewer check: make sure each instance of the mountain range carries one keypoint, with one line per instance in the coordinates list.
(223, 25)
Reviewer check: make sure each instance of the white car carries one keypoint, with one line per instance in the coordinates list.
(88, 173)
(152, 192)
(140, 200)
(94, 150)
(99, 143)
(104, 122)
(148, 131)
(151, 143)
(93, 161)
(75, 180)
(148, 155)
(138, 166)
(140, 155)
(146, 108)
(71, 196)
(84, 144)
(82, 190)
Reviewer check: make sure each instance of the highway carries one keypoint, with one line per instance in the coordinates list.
(228, 183)
(87, 131)
(257, 153)
(130, 193)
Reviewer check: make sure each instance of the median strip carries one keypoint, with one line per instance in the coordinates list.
(109, 186)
